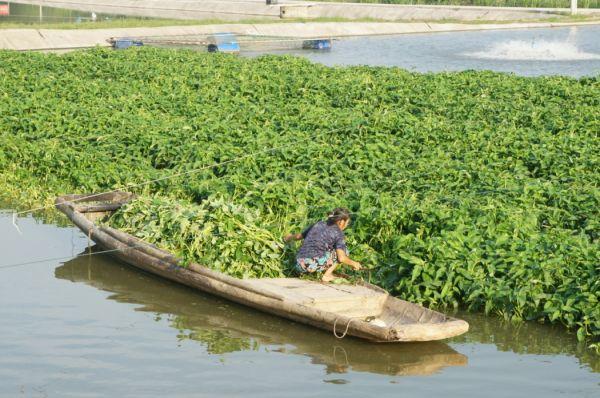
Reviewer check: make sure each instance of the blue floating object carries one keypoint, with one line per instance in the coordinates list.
(120, 44)
(223, 43)
(317, 44)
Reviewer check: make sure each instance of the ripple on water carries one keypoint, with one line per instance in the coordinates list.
(95, 327)
(541, 50)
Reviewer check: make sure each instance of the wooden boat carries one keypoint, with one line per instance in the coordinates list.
(365, 311)
(228, 327)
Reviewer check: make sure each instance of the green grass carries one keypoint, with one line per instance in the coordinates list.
(118, 23)
(148, 23)
(137, 23)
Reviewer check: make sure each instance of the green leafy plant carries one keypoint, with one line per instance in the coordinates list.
(472, 189)
(216, 233)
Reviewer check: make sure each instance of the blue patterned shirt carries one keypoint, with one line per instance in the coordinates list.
(320, 239)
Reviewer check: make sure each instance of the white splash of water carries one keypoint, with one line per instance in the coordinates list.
(542, 50)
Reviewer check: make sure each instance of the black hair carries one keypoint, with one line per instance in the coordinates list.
(338, 214)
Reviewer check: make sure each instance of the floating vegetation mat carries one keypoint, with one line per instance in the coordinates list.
(473, 189)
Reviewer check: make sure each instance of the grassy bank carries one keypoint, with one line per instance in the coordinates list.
(152, 23)
(472, 189)
(148, 23)
(105, 24)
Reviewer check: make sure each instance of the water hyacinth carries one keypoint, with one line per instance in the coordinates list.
(216, 233)
(473, 189)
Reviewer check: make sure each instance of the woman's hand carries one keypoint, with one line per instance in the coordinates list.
(344, 259)
(290, 237)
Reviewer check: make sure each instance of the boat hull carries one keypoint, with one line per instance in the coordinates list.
(399, 321)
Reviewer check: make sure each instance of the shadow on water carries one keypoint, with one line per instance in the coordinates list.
(224, 327)
(526, 338)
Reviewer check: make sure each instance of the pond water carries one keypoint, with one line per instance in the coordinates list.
(569, 51)
(80, 325)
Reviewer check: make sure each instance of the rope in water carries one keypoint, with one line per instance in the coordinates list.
(81, 255)
(87, 254)
(129, 186)
(67, 257)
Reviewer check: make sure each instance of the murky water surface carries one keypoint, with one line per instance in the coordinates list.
(91, 326)
(570, 51)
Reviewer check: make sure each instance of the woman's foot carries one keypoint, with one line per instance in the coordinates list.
(329, 277)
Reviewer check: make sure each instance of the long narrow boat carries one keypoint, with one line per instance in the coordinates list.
(365, 311)
(204, 320)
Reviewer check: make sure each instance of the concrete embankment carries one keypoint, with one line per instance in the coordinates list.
(257, 9)
(54, 39)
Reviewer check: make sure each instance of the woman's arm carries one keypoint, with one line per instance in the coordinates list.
(344, 259)
(290, 237)
(300, 236)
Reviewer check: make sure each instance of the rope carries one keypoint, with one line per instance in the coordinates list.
(66, 257)
(89, 241)
(15, 214)
(89, 253)
(367, 319)
(14, 222)
(129, 186)
(345, 331)
(89, 248)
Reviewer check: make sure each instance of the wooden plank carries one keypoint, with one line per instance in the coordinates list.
(347, 300)
(288, 294)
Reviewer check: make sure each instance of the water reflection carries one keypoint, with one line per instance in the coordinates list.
(224, 327)
(526, 338)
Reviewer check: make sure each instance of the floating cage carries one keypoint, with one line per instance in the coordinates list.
(124, 42)
(231, 43)
(317, 44)
(223, 43)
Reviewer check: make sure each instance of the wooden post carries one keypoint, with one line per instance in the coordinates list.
(573, 7)
(40, 13)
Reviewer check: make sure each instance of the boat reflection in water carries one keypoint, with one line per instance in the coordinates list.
(223, 327)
